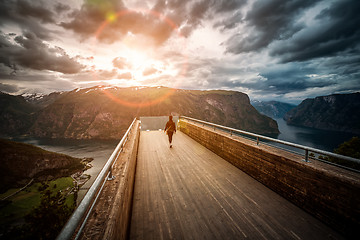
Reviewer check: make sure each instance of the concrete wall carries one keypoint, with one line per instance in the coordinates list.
(124, 206)
(110, 218)
(327, 192)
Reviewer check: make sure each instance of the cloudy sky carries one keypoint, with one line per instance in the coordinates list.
(270, 49)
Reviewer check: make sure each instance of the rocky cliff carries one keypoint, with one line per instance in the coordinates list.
(338, 112)
(106, 112)
(21, 162)
(273, 109)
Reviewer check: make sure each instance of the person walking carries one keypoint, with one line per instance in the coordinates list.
(170, 129)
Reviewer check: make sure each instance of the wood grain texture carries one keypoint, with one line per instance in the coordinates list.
(328, 192)
(188, 192)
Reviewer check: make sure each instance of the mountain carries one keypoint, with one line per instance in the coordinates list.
(338, 112)
(21, 162)
(273, 109)
(16, 114)
(106, 112)
(41, 100)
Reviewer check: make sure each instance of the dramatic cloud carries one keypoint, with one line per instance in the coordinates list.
(288, 78)
(158, 23)
(192, 14)
(269, 49)
(59, 7)
(8, 88)
(230, 22)
(121, 63)
(149, 71)
(25, 9)
(268, 21)
(108, 75)
(27, 14)
(119, 21)
(125, 76)
(28, 51)
(336, 31)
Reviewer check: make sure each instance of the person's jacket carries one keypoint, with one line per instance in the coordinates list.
(170, 127)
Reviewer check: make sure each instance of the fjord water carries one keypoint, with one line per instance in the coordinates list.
(320, 139)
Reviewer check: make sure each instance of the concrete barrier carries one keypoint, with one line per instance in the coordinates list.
(110, 218)
(123, 203)
(327, 192)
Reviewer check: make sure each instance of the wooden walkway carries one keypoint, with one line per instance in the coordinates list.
(188, 192)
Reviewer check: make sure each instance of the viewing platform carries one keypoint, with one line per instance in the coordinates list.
(216, 185)
(188, 192)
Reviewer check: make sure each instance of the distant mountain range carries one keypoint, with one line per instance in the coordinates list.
(273, 109)
(337, 112)
(106, 112)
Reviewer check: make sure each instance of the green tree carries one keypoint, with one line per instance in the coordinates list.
(349, 148)
(45, 221)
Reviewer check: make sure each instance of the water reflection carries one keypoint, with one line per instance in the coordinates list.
(320, 139)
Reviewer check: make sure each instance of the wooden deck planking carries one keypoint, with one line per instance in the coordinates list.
(188, 192)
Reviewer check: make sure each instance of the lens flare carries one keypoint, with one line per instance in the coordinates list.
(143, 103)
(137, 59)
(110, 17)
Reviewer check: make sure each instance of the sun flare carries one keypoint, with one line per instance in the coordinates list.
(137, 59)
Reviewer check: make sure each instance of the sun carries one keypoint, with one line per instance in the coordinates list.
(137, 60)
(138, 53)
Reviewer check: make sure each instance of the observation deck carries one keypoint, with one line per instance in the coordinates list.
(214, 184)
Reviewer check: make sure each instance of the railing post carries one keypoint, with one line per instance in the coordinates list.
(257, 140)
(306, 155)
(230, 132)
(111, 176)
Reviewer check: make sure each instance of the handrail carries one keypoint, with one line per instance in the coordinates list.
(76, 218)
(306, 148)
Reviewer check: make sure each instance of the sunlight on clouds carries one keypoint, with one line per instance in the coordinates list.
(138, 53)
(138, 60)
(297, 97)
(143, 64)
(321, 76)
(269, 49)
(206, 41)
(119, 82)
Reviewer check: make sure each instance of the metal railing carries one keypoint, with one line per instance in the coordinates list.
(82, 212)
(259, 137)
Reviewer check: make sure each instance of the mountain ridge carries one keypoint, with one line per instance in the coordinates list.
(273, 109)
(104, 112)
(336, 112)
